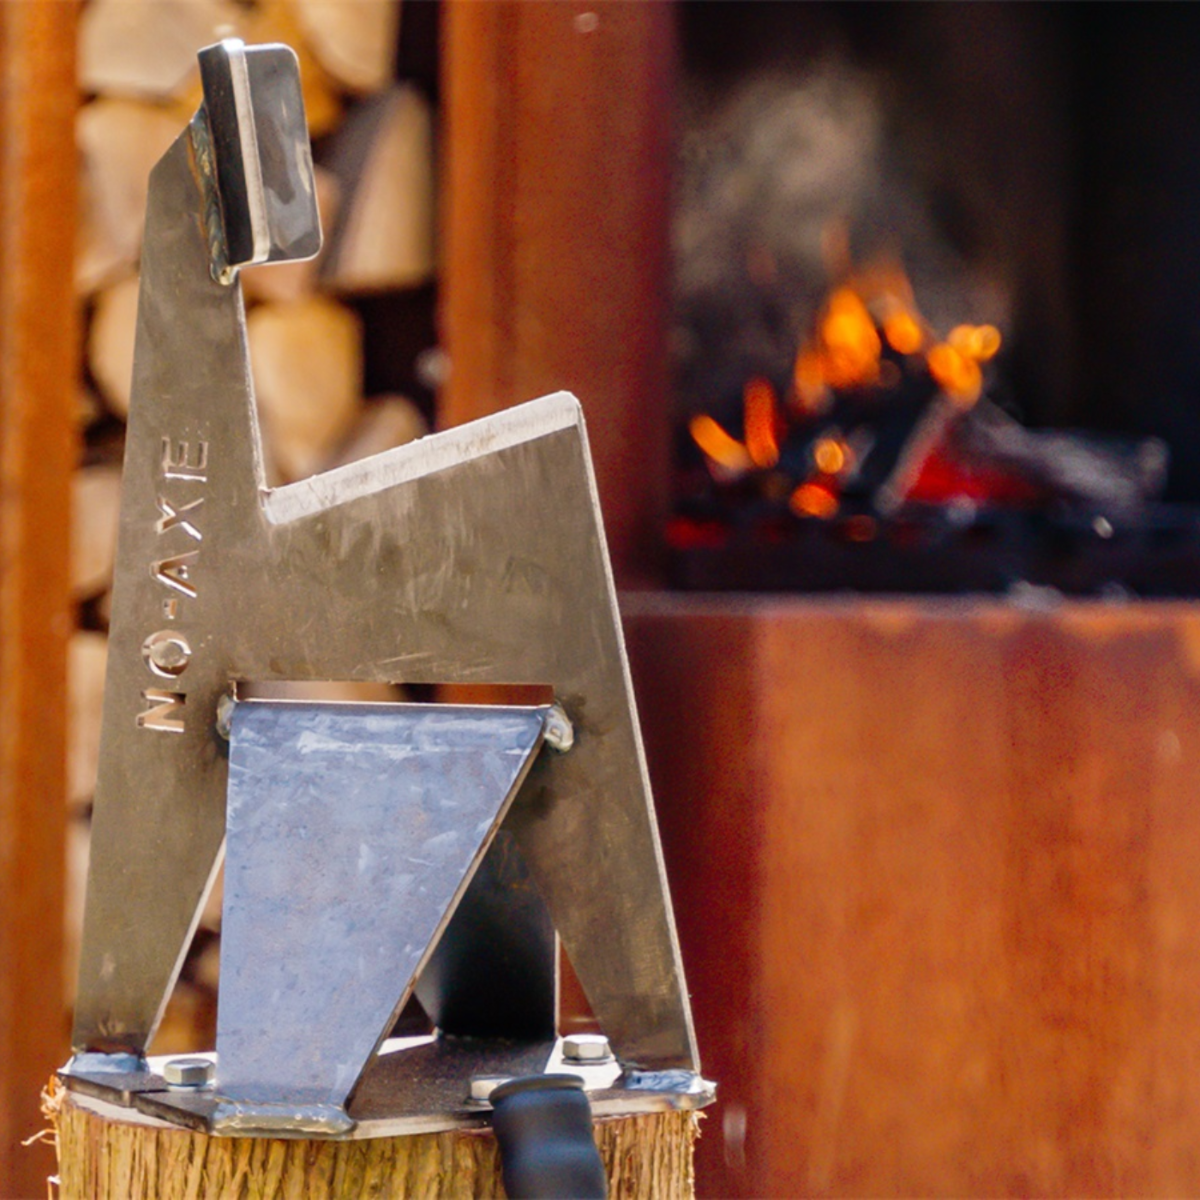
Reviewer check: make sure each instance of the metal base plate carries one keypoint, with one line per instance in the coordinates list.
(415, 1085)
(114, 1087)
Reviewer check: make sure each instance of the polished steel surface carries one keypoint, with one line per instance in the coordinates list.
(261, 155)
(353, 831)
(476, 555)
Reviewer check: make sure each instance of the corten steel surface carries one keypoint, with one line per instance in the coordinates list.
(352, 831)
(38, 357)
(551, 273)
(473, 556)
(948, 937)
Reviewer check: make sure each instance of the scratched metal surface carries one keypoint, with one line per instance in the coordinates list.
(475, 555)
(353, 830)
(424, 1089)
(432, 1083)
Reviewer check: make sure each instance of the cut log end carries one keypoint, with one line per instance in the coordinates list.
(103, 1156)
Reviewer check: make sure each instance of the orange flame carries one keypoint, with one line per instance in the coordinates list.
(903, 332)
(875, 305)
(850, 345)
(813, 500)
(845, 350)
(957, 375)
(808, 381)
(725, 451)
(758, 398)
(980, 342)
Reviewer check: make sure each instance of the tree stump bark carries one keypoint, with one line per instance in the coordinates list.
(107, 1153)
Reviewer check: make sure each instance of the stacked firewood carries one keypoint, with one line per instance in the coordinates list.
(373, 144)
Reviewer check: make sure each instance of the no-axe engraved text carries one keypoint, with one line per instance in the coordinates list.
(168, 652)
(179, 461)
(165, 712)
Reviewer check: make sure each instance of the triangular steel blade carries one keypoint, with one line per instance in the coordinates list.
(353, 831)
(472, 556)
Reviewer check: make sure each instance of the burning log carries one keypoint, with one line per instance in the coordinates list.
(1113, 474)
(884, 426)
(877, 399)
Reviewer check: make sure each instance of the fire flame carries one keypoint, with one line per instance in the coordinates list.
(758, 400)
(721, 449)
(872, 315)
(813, 500)
(846, 350)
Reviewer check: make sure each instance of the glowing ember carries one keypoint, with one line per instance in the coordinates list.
(830, 456)
(813, 500)
(861, 528)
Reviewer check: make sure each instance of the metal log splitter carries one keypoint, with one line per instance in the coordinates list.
(371, 850)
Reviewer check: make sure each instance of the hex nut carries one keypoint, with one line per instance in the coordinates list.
(188, 1072)
(482, 1086)
(586, 1048)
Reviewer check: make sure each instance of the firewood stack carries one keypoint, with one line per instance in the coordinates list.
(373, 145)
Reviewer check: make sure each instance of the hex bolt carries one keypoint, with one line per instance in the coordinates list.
(482, 1086)
(559, 732)
(188, 1072)
(586, 1048)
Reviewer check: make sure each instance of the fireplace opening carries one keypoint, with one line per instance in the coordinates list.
(1016, 182)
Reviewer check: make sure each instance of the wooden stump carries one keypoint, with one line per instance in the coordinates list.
(108, 1152)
